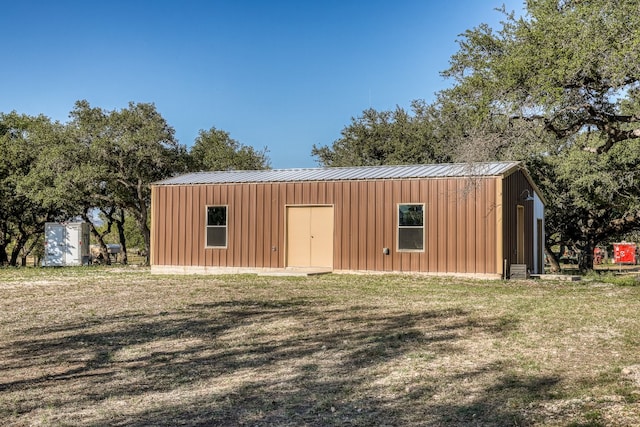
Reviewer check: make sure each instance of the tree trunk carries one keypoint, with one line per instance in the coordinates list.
(15, 252)
(104, 251)
(4, 242)
(141, 218)
(554, 260)
(585, 262)
(146, 234)
(29, 250)
(4, 259)
(119, 220)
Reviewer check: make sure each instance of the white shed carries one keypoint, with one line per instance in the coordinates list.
(66, 244)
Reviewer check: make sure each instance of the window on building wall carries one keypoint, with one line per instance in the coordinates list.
(216, 226)
(411, 227)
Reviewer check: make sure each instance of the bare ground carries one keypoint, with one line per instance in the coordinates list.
(97, 346)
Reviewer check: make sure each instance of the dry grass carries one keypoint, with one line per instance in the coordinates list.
(97, 346)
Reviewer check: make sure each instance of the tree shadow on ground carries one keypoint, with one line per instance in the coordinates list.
(259, 363)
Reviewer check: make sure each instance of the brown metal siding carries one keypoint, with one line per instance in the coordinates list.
(460, 223)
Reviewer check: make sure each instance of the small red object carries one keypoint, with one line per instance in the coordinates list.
(624, 253)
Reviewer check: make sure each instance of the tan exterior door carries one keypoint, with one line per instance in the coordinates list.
(520, 236)
(540, 247)
(310, 236)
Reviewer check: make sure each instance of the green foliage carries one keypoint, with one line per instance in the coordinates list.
(387, 137)
(566, 54)
(127, 150)
(26, 192)
(214, 149)
(103, 160)
(133, 235)
(558, 89)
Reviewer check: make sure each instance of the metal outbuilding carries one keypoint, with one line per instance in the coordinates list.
(463, 219)
(66, 244)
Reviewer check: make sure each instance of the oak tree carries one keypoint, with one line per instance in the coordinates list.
(559, 87)
(215, 150)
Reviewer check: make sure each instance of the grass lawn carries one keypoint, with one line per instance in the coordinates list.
(121, 347)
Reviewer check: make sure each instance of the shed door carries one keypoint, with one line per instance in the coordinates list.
(55, 246)
(73, 239)
(310, 236)
(539, 246)
(520, 244)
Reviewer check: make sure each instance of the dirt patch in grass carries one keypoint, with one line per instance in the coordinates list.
(90, 347)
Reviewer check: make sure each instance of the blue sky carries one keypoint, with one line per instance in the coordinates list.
(278, 74)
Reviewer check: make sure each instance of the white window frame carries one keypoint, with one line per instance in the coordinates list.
(207, 226)
(399, 227)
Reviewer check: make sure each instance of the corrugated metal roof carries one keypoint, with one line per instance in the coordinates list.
(345, 173)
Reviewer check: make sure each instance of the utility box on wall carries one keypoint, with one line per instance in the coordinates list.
(66, 244)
